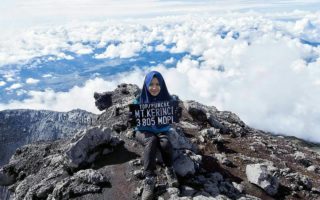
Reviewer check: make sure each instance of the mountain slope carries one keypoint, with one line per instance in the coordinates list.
(216, 156)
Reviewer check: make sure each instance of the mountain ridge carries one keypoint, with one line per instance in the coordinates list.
(217, 156)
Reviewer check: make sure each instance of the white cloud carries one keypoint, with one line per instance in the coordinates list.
(169, 61)
(252, 64)
(81, 49)
(123, 50)
(47, 75)
(2, 83)
(14, 86)
(9, 77)
(32, 81)
(161, 47)
(76, 97)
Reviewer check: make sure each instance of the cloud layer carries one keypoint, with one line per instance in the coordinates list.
(263, 67)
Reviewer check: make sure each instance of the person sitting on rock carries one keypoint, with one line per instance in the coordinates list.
(156, 136)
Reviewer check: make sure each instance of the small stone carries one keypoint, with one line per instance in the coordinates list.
(130, 134)
(239, 187)
(315, 190)
(138, 191)
(201, 139)
(138, 174)
(312, 168)
(293, 187)
(187, 191)
(173, 191)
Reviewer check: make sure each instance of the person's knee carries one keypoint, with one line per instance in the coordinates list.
(153, 140)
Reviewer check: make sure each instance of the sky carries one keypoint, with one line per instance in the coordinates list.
(257, 59)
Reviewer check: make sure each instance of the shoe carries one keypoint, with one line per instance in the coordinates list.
(148, 187)
(171, 177)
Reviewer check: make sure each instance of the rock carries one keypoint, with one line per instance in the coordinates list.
(202, 197)
(85, 146)
(179, 141)
(174, 192)
(138, 174)
(299, 155)
(187, 191)
(313, 168)
(285, 171)
(119, 127)
(201, 139)
(216, 124)
(229, 190)
(230, 117)
(301, 158)
(212, 134)
(136, 162)
(259, 174)
(189, 129)
(92, 177)
(130, 134)
(196, 110)
(249, 197)
(212, 188)
(138, 191)
(239, 187)
(305, 182)
(103, 100)
(223, 159)
(23, 126)
(315, 190)
(83, 182)
(6, 178)
(215, 177)
(123, 93)
(184, 166)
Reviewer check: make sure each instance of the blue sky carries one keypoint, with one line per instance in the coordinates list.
(259, 60)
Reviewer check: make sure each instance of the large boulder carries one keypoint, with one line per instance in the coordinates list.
(260, 175)
(87, 145)
(124, 93)
(6, 178)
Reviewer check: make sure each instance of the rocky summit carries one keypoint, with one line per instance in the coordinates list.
(216, 156)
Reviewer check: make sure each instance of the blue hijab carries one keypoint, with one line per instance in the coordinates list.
(146, 97)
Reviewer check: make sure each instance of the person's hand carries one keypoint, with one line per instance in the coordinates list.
(130, 119)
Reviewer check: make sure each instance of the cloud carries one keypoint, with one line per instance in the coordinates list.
(123, 50)
(32, 81)
(47, 75)
(76, 97)
(265, 68)
(2, 83)
(14, 86)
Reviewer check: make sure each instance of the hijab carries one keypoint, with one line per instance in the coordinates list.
(146, 96)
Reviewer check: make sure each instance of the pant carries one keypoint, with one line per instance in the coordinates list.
(151, 143)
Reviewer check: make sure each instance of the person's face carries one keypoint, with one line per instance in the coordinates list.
(154, 87)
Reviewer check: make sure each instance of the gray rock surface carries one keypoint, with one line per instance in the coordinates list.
(88, 144)
(20, 127)
(260, 175)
